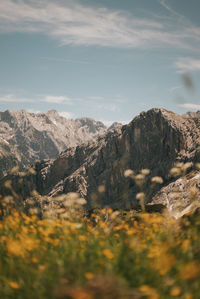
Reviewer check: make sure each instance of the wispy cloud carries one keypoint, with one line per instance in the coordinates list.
(51, 99)
(190, 106)
(56, 99)
(187, 64)
(170, 9)
(174, 88)
(72, 23)
(10, 98)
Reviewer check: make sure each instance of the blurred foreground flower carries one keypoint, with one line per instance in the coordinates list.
(108, 254)
(14, 285)
(89, 275)
(175, 291)
(157, 180)
(190, 271)
(149, 292)
(128, 173)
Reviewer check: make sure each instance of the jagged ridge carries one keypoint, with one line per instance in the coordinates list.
(27, 137)
(155, 140)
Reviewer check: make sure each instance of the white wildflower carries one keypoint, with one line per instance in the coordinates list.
(157, 180)
(128, 173)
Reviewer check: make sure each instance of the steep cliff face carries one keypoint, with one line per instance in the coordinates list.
(28, 137)
(155, 140)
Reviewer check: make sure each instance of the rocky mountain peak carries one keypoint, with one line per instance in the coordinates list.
(155, 140)
(26, 137)
(115, 126)
(91, 124)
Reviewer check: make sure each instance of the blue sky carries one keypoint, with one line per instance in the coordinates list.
(105, 59)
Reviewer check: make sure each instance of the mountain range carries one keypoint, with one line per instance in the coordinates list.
(157, 140)
(27, 137)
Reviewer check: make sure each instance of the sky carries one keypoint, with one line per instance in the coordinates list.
(104, 59)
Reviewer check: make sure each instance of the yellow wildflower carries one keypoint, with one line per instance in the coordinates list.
(55, 242)
(108, 254)
(34, 260)
(110, 211)
(89, 275)
(29, 244)
(151, 293)
(175, 291)
(82, 238)
(15, 248)
(185, 245)
(130, 231)
(163, 261)
(189, 271)
(102, 224)
(14, 285)
(189, 296)
(103, 211)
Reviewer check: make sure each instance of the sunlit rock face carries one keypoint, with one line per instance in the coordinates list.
(28, 137)
(155, 140)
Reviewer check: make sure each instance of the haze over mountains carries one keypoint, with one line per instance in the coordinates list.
(155, 140)
(27, 137)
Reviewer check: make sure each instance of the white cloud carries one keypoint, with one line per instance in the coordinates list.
(187, 64)
(174, 88)
(190, 106)
(172, 11)
(10, 98)
(52, 99)
(72, 23)
(66, 114)
(56, 99)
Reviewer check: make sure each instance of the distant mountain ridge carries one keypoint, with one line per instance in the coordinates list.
(154, 140)
(27, 137)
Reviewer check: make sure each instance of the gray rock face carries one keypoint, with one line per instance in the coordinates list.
(28, 137)
(155, 140)
(180, 196)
